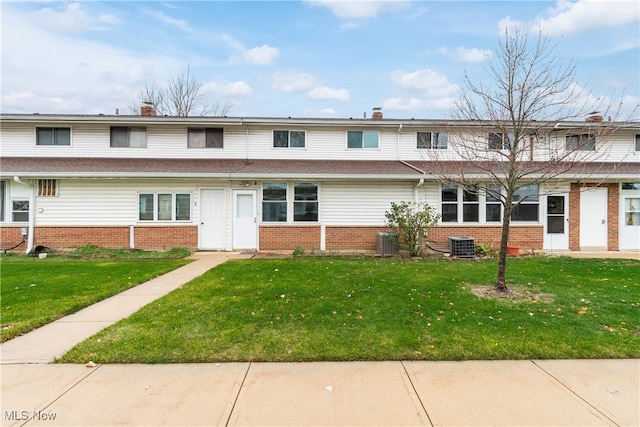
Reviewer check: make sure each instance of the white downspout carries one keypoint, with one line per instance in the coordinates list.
(32, 215)
(398, 142)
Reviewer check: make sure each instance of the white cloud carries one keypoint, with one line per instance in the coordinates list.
(463, 54)
(292, 81)
(402, 104)
(263, 55)
(358, 9)
(73, 19)
(430, 83)
(326, 92)
(572, 17)
(238, 88)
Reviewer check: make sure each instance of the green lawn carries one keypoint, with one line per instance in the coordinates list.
(312, 309)
(35, 291)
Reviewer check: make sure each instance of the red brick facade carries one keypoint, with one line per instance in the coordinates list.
(287, 238)
(526, 237)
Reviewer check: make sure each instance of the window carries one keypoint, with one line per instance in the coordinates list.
(449, 203)
(205, 138)
(362, 139)
(164, 207)
(47, 187)
(582, 142)
(3, 192)
(277, 202)
(432, 140)
(129, 137)
(274, 202)
(20, 211)
(470, 204)
(53, 136)
(493, 207)
(526, 203)
(500, 141)
(305, 204)
(637, 142)
(288, 139)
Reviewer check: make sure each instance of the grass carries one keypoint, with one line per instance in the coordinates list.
(313, 309)
(34, 292)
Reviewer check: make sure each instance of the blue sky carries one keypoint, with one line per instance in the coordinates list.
(312, 58)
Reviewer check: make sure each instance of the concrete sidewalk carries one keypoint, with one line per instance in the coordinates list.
(44, 344)
(476, 393)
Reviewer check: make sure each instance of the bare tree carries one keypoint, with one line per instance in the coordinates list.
(509, 135)
(182, 96)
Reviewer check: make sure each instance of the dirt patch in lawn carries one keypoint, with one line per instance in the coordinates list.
(516, 293)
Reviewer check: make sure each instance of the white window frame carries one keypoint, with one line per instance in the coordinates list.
(580, 142)
(291, 202)
(363, 139)
(156, 199)
(205, 131)
(54, 129)
(289, 132)
(137, 129)
(438, 137)
(15, 211)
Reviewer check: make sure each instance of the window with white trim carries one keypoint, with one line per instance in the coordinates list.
(53, 136)
(289, 138)
(20, 211)
(637, 142)
(432, 140)
(526, 204)
(133, 137)
(362, 139)
(493, 206)
(3, 198)
(279, 206)
(205, 138)
(500, 141)
(583, 142)
(164, 207)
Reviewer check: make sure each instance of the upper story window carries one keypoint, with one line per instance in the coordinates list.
(637, 142)
(432, 140)
(164, 207)
(135, 137)
(500, 141)
(205, 138)
(53, 136)
(289, 138)
(362, 139)
(583, 142)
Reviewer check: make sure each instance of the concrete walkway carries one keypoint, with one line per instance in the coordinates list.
(474, 393)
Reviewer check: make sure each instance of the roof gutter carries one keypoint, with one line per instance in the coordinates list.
(32, 214)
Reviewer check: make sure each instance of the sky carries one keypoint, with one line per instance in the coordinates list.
(309, 58)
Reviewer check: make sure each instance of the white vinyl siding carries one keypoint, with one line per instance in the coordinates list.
(362, 203)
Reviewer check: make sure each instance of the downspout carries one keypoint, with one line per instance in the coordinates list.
(32, 215)
(398, 142)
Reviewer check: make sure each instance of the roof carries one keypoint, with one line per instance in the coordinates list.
(61, 167)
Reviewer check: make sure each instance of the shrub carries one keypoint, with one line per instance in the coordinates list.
(411, 221)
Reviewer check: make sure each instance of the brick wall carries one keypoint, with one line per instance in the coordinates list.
(526, 237)
(353, 238)
(11, 236)
(288, 238)
(148, 238)
(165, 238)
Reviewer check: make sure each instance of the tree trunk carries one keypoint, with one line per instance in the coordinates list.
(501, 285)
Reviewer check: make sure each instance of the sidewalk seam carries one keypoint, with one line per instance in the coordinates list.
(415, 391)
(235, 401)
(575, 393)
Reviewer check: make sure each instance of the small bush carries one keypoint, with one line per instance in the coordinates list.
(485, 249)
(411, 221)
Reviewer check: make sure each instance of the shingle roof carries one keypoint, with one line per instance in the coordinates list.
(257, 168)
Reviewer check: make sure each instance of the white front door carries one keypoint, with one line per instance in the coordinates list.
(245, 226)
(213, 222)
(556, 225)
(593, 218)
